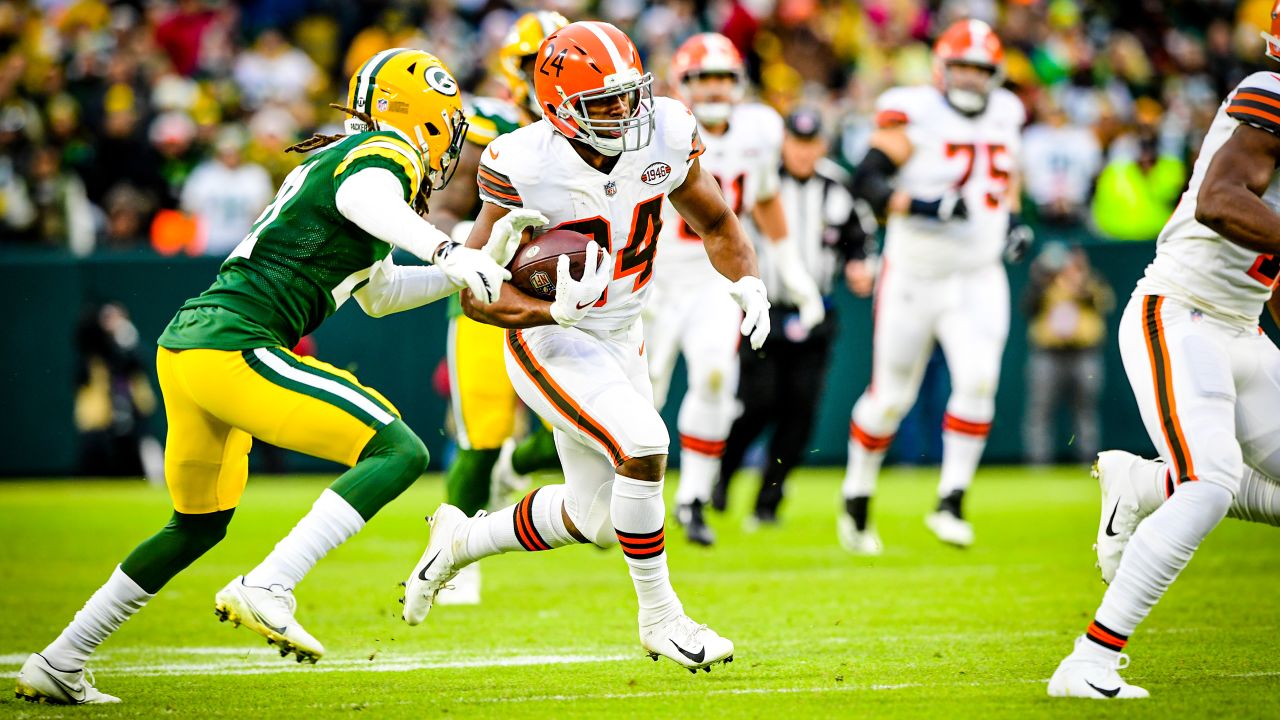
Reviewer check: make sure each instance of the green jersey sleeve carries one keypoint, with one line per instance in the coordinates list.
(388, 151)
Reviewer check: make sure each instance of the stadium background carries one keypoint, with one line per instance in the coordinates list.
(106, 109)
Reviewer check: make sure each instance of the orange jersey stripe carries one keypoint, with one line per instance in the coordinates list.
(1255, 112)
(556, 395)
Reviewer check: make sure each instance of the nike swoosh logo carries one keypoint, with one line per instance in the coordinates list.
(280, 630)
(422, 575)
(76, 694)
(493, 153)
(1110, 530)
(1109, 693)
(589, 303)
(698, 656)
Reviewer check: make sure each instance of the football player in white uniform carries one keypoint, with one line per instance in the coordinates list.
(601, 162)
(691, 312)
(1206, 379)
(950, 150)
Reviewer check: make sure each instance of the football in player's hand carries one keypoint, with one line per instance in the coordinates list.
(533, 269)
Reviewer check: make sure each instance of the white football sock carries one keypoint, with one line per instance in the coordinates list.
(1257, 500)
(329, 523)
(698, 474)
(861, 471)
(960, 455)
(1161, 547)
(1149, 479)
(639, 514)
(535, 523)
(104, 612)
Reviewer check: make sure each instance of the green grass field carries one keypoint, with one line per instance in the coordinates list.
(926, 630)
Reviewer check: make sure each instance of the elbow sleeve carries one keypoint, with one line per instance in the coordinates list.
(871, 180)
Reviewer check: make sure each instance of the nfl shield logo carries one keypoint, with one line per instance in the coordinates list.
(382, 104)
(611, 188)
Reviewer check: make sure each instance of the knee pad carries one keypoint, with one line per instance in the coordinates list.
(592, 518)
(194, 535)
(403, 451)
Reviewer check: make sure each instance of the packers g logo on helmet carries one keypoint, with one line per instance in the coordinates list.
(412, 92)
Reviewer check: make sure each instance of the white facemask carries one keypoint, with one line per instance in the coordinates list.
(967, 101)
(715, 113)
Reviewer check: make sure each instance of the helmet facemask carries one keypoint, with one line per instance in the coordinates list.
(714, 112)
(969, 101)
(613, 136)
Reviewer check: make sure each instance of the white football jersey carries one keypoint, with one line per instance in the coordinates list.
(1195, 264)
(952, 152)
(536, 167)
(745, 161)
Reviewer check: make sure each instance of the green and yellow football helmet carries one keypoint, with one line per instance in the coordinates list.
(413, 92)
(522, 42)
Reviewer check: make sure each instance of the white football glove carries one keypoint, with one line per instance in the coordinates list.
(574, 298)
(799, 285)
(504, 238)
(472, 268)
(750, 295)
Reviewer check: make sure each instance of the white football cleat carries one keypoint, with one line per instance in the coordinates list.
(436, 566)
(859, 542)
(268, 612)
(1120, 513)
(38, 681)
(690, 645)
(1081, 676)
(464, 589)
(949, 528)
(503, 479)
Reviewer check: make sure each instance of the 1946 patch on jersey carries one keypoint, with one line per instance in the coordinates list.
(656, 173)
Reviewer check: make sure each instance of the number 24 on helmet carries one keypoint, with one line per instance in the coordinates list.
(595, 62)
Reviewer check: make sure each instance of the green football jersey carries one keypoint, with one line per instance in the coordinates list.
(301, 260)
(487, 118)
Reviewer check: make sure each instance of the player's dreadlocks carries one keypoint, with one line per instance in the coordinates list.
(319, 140)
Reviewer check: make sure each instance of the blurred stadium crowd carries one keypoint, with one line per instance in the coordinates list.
(160, 124)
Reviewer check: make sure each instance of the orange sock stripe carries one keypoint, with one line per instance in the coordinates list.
(965, 427)
(871, 442)
(711, 448)
(526, 532)
(1105, 637)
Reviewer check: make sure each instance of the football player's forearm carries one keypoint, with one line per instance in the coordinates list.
(396, 289)
(1230, 198)
(373, 199)
(514, 310)
(728, 248)
(770, 217)
(1239, 216)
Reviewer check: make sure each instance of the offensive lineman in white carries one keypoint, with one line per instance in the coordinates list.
(600, 162)
(692, 312)
(1206, 379)
(952, 213)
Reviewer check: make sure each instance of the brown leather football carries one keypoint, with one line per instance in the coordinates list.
(533, 269)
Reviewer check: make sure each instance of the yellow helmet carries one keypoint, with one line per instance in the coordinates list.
(413, 92)
(522, 41)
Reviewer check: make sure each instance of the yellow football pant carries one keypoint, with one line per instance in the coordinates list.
(216, 401)
(484, 402)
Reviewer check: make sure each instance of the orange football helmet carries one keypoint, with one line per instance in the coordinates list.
(590, 62)
(1273, 37)
(707, 54)
(972, 43)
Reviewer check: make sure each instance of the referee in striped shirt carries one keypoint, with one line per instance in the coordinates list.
(780, 384)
